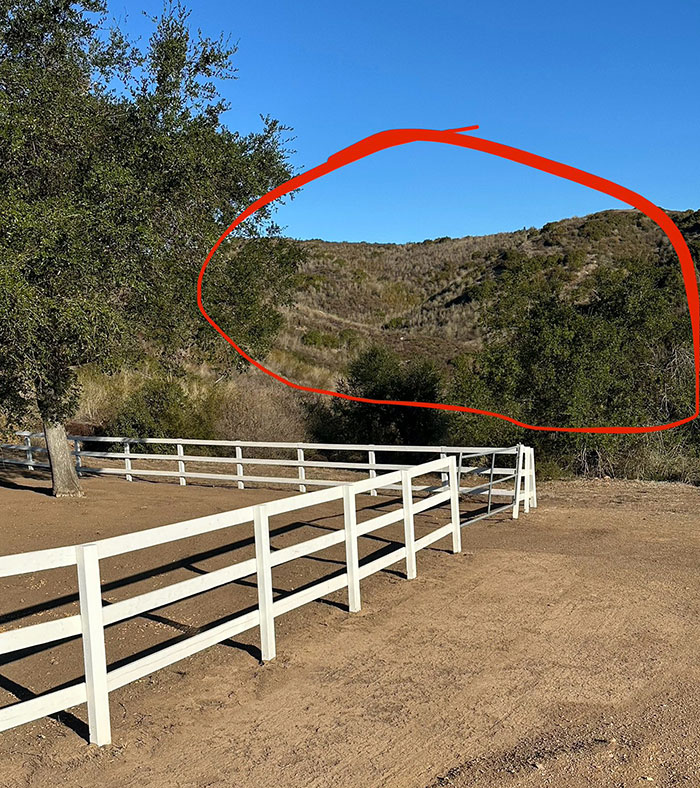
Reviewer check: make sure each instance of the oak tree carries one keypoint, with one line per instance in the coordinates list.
(117, 174)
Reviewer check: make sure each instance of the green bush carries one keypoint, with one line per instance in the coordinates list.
(320, 339)
(380, 374)
(349, 338)
(162, 409)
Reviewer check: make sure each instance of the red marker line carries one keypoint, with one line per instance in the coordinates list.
(392, 138)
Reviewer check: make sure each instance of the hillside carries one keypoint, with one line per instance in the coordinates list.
(583, 321)
(419, 298)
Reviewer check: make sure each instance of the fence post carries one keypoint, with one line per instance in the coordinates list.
(239, 467)
(517, 481)
(127, 461)
(78, 458)
(261, 524)
(352, 558)
(408, 530)
(94, 657)
(444, 477)
(526, 479)
(533, 480)
(181, 465)
(28, 450)
(372, 460)
(493, 465)
(454, 506)
(302, 470)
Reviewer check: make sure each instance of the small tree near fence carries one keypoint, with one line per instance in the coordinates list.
(117, 176)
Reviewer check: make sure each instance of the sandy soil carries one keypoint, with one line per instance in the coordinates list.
(558, 650)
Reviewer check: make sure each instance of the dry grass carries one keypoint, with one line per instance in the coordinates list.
(415, 297)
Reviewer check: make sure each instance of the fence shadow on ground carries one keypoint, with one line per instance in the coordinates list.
(335, 568)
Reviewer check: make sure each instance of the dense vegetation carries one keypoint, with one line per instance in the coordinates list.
(561, 342)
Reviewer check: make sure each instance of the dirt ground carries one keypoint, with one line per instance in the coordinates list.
(561, 649)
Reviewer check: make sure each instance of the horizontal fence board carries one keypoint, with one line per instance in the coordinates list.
(36, 708)
(152, 600)
(37, 561)
(308, 547)
(427, 467)
(381, 563)
(215, 476)
(388, 481)
(433, 500)
(304, 500)
(440, 533)
(5, 461)
(376, 523)
(170, 654)
(151, 537)
(39, 634)
(204, 458)
(475, 451)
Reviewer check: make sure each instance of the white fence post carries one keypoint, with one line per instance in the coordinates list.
(78, 458)
(444, 477)
(526, 479)
(28, 450)
(239, 467)
(302, 470)
(408, 529)
(490, 499)
(533, 481)
(90, 594)
(261, 524)
(352, 558)
(454, 507)
(517, 481)
(372, 460)
(181, 465)
(127, 461)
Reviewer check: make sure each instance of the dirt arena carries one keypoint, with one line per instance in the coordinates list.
(561, 649)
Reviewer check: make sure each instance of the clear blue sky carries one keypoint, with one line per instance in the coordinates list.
(610, 87)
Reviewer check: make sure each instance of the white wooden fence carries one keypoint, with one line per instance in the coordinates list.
(493, 466)
(93, 617)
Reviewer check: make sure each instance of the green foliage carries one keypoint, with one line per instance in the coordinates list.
(162, 409)
(622, 358)
(117, 176)
(349, 337)
(320, 339)
(608, 349)
(379, 374)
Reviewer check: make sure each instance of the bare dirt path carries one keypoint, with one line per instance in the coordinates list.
(559, 650)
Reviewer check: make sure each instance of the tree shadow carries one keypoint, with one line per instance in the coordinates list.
(25, 484)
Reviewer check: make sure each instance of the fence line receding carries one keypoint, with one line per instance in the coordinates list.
(441, 488)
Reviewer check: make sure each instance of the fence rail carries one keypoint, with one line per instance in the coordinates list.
(93, 616)
(497, 473)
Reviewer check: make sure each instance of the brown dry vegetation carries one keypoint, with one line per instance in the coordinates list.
(414, 297)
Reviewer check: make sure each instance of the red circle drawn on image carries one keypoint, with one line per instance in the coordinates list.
(392, 138)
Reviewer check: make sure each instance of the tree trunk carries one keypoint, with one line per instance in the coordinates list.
(63, 473)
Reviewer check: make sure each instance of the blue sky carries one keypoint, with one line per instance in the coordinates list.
(610, 87)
